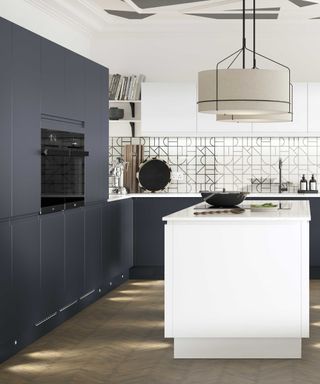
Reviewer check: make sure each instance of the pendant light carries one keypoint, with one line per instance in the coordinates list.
(247, 92)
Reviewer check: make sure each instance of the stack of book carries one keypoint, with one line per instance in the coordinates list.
(125, 87)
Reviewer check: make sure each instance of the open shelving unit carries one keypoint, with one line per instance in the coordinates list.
(127, 120)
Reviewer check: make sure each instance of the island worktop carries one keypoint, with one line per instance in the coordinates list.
(237, 285)
(288, 210)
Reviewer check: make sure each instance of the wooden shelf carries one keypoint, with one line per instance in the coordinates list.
(124, 101)
(121, 121)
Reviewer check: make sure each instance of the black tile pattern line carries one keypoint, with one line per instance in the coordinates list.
(214, 163)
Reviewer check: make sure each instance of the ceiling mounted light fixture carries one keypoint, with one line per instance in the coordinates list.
(244, 94)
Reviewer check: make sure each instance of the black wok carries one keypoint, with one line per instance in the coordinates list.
(223, 199)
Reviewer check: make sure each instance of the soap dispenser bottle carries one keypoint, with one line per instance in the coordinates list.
(313, 184)
(303, 184)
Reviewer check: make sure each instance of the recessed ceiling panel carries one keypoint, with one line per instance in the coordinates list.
(144, 4)
(129, 15)
(302, 3)
(236, 16)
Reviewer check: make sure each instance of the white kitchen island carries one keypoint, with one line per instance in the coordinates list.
(237, 285)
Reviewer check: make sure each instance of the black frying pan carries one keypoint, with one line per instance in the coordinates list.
(154, 175)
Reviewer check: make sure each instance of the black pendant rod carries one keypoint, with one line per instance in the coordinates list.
(254, 35)
(244, 33)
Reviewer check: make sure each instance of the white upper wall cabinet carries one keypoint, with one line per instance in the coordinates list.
(299, 125)
(168, 109)
(314, 109)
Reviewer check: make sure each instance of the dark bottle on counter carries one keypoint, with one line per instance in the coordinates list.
(303, 184)
(313, 184)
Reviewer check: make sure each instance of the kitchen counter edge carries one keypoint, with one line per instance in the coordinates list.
(190, 195)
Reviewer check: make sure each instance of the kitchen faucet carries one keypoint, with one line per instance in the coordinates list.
(281, 189)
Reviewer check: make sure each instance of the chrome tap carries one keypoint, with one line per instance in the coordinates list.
(281, 188)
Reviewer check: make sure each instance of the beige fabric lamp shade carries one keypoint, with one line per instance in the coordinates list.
(244, 92)
(271, 118)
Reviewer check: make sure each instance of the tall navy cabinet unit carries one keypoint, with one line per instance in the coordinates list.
(5, 118)
(26, 121)
(52, 265)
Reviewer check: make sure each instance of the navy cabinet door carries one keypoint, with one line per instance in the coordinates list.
(314, 232)
(93, 262)
(26, 271)
(26, 122)
(5, 117)
(52, 79)
(52, 264)
(74, 86)
(74, 255)
(7, 320)
(96, 143)
(149, 227)
(111, 243)
(117, 238)
(126, 215)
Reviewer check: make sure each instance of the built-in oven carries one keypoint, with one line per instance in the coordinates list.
(62, 170)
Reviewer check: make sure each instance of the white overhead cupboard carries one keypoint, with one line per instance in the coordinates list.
(314, 108)
(170, 109)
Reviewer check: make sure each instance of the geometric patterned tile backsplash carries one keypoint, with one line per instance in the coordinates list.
(234, 163)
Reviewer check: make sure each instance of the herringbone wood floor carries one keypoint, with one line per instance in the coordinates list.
(119, 340)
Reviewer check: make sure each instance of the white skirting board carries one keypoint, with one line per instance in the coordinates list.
(237, 348)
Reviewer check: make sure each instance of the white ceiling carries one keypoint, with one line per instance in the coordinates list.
(172, 44)
(211, 11)
(133, 15)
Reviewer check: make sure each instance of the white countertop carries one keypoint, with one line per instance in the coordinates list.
(299, 211)
(168, 194)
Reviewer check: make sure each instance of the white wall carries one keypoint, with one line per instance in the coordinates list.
(61, 30)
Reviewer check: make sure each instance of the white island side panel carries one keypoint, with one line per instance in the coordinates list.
(235, 280)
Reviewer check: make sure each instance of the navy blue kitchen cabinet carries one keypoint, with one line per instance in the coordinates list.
(26, 272)
(117, 240)
(5, 117)
(314, 235)
(62, 82)
(26, 121)
(47, 261)
(74, 255)
(7, 320)
(96, 131)
(74, 86)
(126, 214)
(52, 79)
(104, 113)
(52, 264)
(93, 238)
(148, 229)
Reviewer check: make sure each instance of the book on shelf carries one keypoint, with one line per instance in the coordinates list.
(125, 87)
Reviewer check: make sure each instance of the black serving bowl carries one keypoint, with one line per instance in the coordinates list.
(223, 199)
(116, 113)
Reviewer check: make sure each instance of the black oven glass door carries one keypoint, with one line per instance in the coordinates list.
(62, 170)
